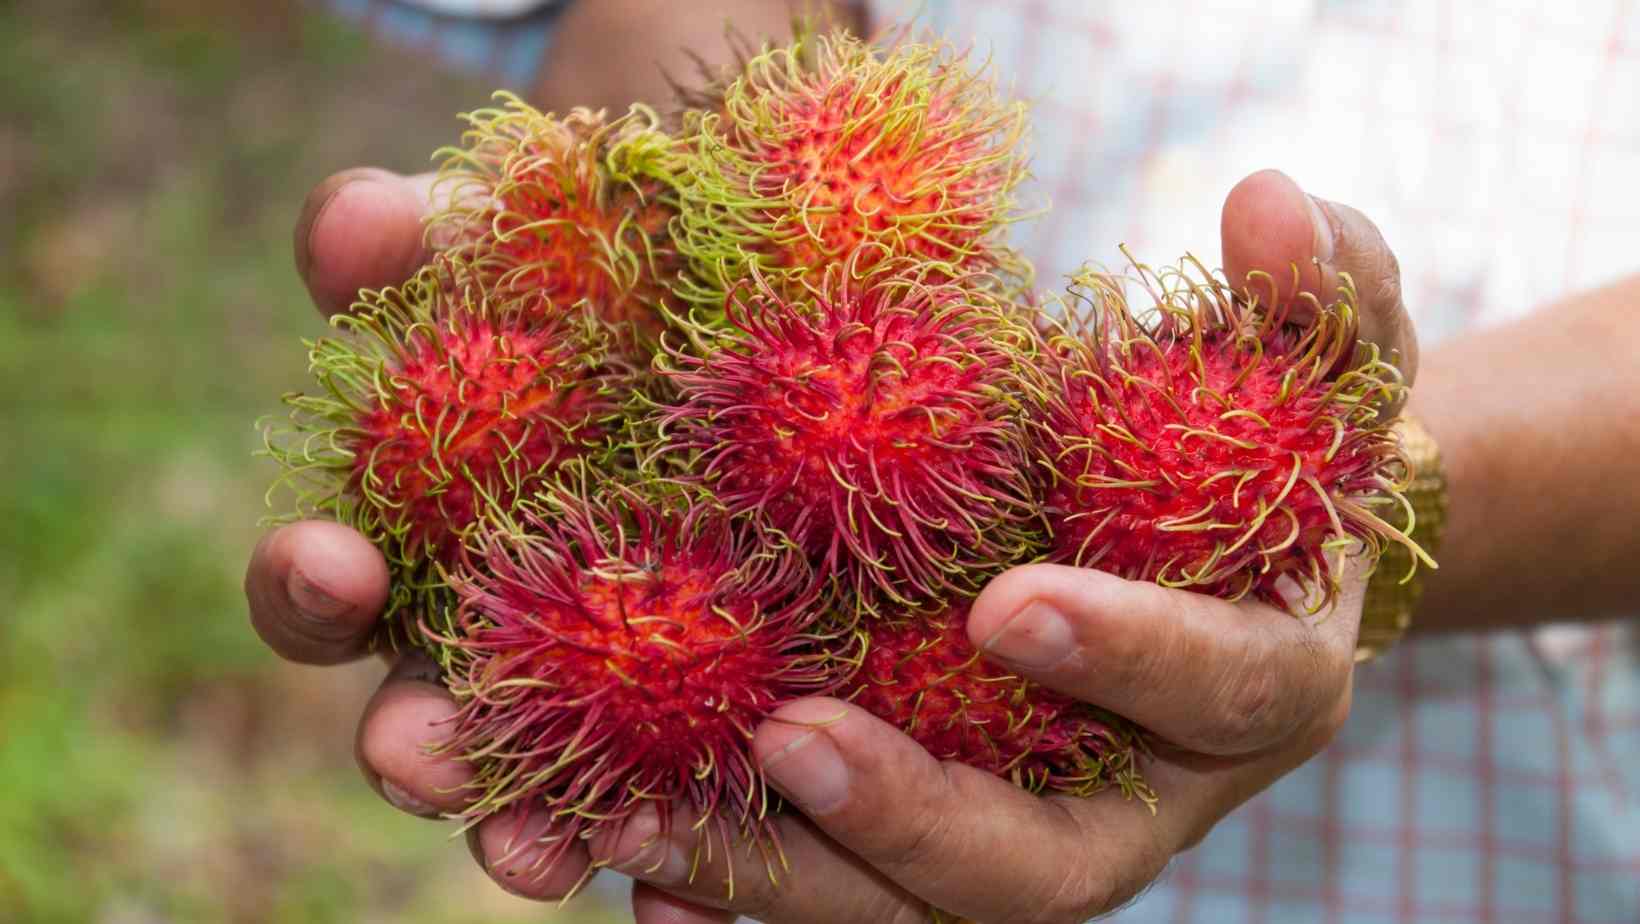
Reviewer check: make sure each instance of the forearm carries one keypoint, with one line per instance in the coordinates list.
(1539, 422)
(612, 53)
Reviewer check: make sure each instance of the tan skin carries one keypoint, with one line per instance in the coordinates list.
(1538, 421)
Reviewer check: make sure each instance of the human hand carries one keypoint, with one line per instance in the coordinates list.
(316, 589)
(1236, 695)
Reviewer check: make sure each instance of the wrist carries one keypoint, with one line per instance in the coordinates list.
(1396, 585)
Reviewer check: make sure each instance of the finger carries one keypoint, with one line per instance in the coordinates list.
(813, 880)
(521, 851)
(396, 746)
(1269, 224)
(959, 838)
(1197, 790)
(361, 229)
(315, 591)
(652, 906)
(1204, 674)
(892, 832)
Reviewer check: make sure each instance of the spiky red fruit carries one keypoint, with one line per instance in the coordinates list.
(612, 650)
(1223, 447)
(924, 676)
(873, 425)
(443, 399)
(831, 146)
(537, 208)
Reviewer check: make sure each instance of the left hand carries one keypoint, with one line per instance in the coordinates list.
(1235, 695)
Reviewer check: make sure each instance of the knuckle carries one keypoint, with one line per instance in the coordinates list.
(910, 828)
(1083, 894)
(1248, 713)
(1387, 293)
(1091, 885)
(761, 899)
(1139, 661)
(1366, 254)
(1270, 695)
(926, 836)
(1332, 720)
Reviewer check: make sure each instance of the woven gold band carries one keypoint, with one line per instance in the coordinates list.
(1391, 597)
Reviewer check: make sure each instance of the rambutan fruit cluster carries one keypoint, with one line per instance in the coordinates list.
(682, 425)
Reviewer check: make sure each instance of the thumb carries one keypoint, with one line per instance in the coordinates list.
(361, 229)
(1269, 224)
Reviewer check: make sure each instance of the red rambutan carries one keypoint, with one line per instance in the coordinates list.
(924, 676)
(871, 423)
(831, 146)
(1220, 445)
(537, 207)
(613, 649)
(444, 400)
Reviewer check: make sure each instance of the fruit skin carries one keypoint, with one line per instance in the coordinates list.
(617, 646)
(553, 205)
(872, 423)
(924, 676)
(832, 145)
(1225, 446)
(439, 398)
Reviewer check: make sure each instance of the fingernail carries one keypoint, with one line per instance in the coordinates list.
(310, 218)
(661, 863)
(1322, 228)
(312, 600)
(810, 772)
(401, 799)
(640, 852)
(1038, 636)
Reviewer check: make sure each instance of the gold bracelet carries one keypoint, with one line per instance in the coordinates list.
(1391, 596)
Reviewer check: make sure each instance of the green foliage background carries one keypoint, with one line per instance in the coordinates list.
(156, 762)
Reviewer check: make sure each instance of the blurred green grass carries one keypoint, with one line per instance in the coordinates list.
(158, 764)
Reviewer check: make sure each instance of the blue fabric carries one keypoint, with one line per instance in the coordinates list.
(507, 51)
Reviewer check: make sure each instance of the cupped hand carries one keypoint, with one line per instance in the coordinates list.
(316, 589)
(1236, 695)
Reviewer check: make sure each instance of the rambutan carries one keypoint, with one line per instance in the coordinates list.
(614, 648)
(831, 146)
(442, 400)
(538, 205)
(924, 676)
(1220, 445)
(872, 423)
